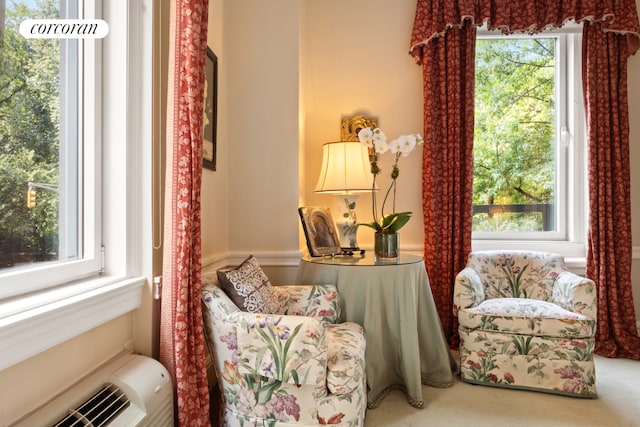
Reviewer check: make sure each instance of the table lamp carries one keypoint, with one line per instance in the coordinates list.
(345, 172)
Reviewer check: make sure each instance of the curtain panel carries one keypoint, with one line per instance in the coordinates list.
(612, 34)
(182, 346)
(447, 166)
(609, 240)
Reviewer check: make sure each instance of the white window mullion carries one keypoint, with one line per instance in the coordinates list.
(577, 196)
(562, 139)
(70, 164)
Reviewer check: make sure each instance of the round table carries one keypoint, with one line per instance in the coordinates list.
(393, 302)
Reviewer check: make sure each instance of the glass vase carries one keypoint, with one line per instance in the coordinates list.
(386, 248)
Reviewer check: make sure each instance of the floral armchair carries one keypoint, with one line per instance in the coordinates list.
(298, 367)
(526, 322)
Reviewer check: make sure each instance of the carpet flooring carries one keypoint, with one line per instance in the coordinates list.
(462, 405)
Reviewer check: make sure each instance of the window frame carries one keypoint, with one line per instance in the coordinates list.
(571, 190)
(81, 121)
(32, 323)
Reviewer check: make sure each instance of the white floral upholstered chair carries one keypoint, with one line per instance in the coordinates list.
(296, 367)
(526, 322)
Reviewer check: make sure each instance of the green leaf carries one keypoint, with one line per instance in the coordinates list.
(290, 340)
(260, 356)
(267, 391)
(372, 224)
(400, 220)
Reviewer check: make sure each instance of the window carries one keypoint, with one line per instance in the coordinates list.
(103, 182)
(48, 229)
(529, 143)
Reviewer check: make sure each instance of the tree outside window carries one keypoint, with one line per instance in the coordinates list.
(514, 141)
(29, 136)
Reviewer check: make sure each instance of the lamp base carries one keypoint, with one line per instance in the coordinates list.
(347, 222)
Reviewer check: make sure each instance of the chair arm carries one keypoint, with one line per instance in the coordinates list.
(319, 301)
(575, 293)
(468, 290)
(346, 357)
(290, 349)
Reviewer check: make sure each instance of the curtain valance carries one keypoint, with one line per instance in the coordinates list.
(434, 17)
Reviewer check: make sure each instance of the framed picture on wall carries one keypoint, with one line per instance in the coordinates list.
(319, 230)
(210, 112)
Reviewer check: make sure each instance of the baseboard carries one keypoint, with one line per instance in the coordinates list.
(214, 262)
(265, 258)
(292, 258)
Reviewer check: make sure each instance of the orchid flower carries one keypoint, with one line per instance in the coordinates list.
(376, 142)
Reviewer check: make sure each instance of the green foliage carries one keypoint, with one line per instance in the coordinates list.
(514, 151)
(391, 223)
(26, 234)
(29, 137)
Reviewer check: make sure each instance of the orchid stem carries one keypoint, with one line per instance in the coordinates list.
(386, 196)
(373, 199)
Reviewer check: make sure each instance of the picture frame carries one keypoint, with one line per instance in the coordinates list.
(209, 140)
(319, 230)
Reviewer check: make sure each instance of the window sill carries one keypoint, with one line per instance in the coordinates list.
(32, 324)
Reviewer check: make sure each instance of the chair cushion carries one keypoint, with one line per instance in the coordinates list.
(517, 274)
(249, 288)
(290, 349)
(345, 357)
(526, 317)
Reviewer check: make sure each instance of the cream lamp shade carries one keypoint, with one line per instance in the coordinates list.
(345, 168)
(345, 171)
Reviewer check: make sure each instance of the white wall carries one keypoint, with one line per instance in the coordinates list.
(215, 215)
(356, 60)
(28, 384)
(261, 61)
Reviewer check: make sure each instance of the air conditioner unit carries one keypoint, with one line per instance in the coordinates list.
(130, 390)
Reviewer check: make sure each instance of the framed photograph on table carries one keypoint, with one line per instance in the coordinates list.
(319, 230)
(210, 112)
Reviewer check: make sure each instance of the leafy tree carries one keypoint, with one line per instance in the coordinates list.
(26, 234)
(29, 136)
(514, 121)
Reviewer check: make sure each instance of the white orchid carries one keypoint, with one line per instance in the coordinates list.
(376, 142)
(366, 137)
(374, 139)
(405, 144)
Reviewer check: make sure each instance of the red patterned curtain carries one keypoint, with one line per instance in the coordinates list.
(608, 264)
(447, 166)
(182, 347)
(609, 255)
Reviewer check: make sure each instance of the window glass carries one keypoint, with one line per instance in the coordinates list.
(38, 140)
(515, 142)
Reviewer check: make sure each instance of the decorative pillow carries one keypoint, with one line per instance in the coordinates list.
(249, 288)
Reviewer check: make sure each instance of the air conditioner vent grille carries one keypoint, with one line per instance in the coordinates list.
(99, 410)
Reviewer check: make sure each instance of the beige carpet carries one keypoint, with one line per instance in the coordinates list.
(617, 404)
